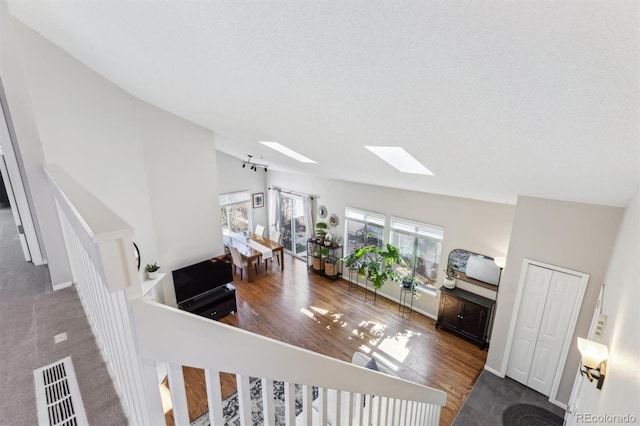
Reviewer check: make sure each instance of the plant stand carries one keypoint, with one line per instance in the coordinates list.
(353, 270)
(402, 302)
(323, 259)
(366, 291)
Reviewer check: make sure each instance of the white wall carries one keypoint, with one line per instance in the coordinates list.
(30, 154)
(572, 235)
(232, 177)
(155, 170)
(477, 226)
(89, 127)
(182, 181)
(620, 391)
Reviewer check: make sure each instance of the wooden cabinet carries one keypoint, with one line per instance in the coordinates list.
(324, 259)
(465, 314)
(213, 304)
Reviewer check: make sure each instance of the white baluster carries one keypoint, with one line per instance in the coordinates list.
(178, 394)
(268, 406)
(322, 401)
(244, 398)
(214, 397)
(290, 403)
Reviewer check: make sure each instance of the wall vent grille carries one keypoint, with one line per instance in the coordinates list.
(58, 396)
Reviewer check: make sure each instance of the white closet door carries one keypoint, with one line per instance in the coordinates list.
(528, 324)
(553, 329)
(543, 321)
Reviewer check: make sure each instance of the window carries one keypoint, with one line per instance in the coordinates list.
(362, 227)
(235, 209)
(420, 247)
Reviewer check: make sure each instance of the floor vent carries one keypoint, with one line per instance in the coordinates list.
(58, 396)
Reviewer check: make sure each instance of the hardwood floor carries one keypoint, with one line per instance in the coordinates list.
(302, 308)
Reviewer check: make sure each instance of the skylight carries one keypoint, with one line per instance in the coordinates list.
(286, 151)
(400, 159)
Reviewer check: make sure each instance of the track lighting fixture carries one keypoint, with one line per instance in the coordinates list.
(254, 166)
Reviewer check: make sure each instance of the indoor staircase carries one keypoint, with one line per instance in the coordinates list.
(133, 333)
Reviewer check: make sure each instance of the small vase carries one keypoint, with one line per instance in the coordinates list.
(152, 275)
(450, 282)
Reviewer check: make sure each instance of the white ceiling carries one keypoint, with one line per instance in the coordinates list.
(498, 99)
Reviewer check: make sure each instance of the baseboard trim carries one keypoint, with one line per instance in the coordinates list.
(61, 285)
(494, 372)
(559, 404)
(388, 297)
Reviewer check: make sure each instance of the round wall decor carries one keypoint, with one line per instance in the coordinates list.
(136, 254)
(334, 220)
(322, 212)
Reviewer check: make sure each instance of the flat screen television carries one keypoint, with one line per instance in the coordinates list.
(195, 280)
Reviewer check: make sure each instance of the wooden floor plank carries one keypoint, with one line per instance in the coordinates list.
(302, 308)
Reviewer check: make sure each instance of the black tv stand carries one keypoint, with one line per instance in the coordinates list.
(213, 304)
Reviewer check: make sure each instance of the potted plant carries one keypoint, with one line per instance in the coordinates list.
(375, 264)
(328, 238)
(152, 270)
(317, 263)
(409, 282)
(330, 266)
(450, 278)
(321, 231)
(336, 241)
(324, 252)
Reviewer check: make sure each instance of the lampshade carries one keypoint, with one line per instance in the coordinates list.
(500, 261)
(593, 353)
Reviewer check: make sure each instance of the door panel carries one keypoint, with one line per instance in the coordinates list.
(293, 224)
(563, 290)
(451, 311)
(471, 319)
(528, 324)
(14, 207)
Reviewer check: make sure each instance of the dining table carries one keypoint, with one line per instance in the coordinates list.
(252, 248)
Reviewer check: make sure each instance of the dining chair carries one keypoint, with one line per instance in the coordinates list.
(239, 262)
(259, 231)
(274, 236)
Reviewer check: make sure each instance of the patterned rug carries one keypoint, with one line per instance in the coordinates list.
(232, 415)
(529, 415)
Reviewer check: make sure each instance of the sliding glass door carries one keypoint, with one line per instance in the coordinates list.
(293, 224)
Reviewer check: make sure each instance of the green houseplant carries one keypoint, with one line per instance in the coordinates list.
(152, 270)
(375, 264)
(409, 282)
(450, 278)
(321, 230)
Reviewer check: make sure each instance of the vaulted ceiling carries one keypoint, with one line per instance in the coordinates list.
(497, 98)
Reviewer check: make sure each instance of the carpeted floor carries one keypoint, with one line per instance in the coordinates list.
(30, 315)
(492, 395)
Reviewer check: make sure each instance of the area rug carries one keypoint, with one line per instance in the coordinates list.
(529, 415)
(230, 405)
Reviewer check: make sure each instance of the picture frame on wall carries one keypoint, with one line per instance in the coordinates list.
(258, 200)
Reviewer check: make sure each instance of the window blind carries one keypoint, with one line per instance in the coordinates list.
(234, 197)
(417, 228)
(364, 216)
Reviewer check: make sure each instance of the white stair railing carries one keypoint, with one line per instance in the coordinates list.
(136, 335)
(217, 347)
(100, 250)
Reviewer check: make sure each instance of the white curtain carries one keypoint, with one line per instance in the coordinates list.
(308, 216)
(275, 203)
